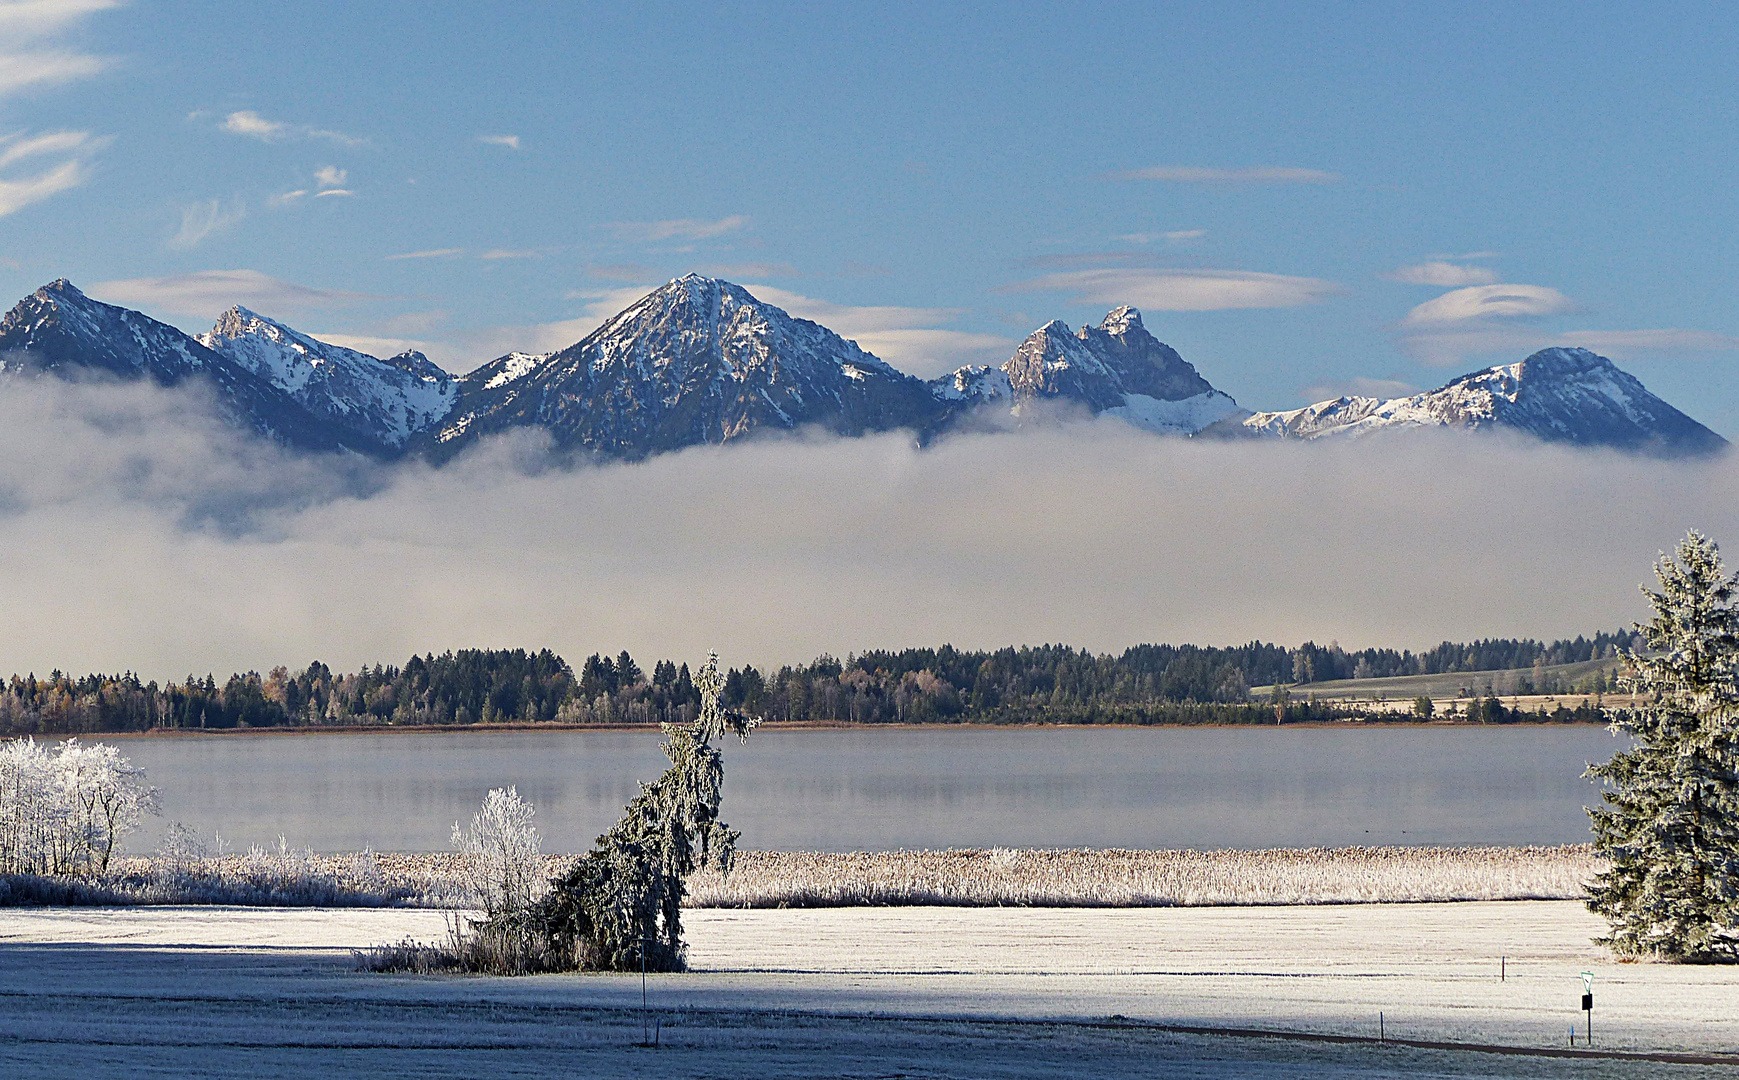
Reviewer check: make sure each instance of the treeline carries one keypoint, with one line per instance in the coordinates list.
(1146, 684)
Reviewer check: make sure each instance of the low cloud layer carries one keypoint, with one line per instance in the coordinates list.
(137, 533)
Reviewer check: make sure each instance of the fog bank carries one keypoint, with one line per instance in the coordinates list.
(136, 532)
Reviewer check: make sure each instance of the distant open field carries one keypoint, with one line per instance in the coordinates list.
(1453, 684)
(1208, 993)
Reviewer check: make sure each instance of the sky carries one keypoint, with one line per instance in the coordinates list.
(1303, 201)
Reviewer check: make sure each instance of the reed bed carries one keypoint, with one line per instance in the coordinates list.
(995, 877)
(1001, 877)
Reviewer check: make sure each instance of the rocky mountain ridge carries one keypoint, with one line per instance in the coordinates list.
(702, 361)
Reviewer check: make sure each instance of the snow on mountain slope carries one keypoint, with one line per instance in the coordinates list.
(1558, 395)
(59, 330)
(1116, 368)
(379, 400)
(696, 361)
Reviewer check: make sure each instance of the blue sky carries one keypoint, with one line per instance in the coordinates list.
(1375, 198)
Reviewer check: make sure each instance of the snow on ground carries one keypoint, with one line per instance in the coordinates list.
(853, 991)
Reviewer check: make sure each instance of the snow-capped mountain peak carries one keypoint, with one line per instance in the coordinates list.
(1558, 395)
(697, 360)
(373, 400)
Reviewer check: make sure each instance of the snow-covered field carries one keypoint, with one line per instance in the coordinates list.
(855, 991)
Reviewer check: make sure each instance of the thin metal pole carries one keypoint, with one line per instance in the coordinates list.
(1381, 1035)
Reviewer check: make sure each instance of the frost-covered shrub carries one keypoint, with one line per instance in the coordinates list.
(64, 809)
(503, 863)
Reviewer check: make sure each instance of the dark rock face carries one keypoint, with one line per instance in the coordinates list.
(697, 361)
(59, 330)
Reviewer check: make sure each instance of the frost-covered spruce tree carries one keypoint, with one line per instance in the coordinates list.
(625, 894)
(1670, 825)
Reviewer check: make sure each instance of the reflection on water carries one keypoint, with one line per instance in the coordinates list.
(843, 790)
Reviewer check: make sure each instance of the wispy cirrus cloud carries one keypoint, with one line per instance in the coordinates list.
(208, 292)
(747, 270)
(1175, 236)
(509, 141)
(28, 25)
(20, 188)
(1165, 289)
(204, 219)
(1194, 174)
(1444, 274)
(431, 253)
(677, 229)
(251, 124)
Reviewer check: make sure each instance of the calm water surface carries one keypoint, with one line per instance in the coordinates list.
(845, 790)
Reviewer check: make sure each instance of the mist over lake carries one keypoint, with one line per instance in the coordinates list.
(884, 789)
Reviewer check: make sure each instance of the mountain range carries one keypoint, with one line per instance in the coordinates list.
(702, 361)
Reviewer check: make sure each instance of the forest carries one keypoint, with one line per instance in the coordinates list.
(1146, 684)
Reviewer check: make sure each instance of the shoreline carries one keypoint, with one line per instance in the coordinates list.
(785, 725)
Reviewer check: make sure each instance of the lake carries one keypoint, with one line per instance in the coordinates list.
(878, 789)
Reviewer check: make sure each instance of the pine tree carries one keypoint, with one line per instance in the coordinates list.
(1671, 822)
(622, 900)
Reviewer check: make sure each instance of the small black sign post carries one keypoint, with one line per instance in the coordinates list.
(1588, 1002)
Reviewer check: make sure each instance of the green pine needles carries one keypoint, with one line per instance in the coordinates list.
(1670, 825)
(625, 895)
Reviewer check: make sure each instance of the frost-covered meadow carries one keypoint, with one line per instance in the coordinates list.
(996, 992)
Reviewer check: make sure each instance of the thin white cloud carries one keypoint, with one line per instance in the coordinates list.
(23, 20)
(1183, 290)
(496, 254)
(204, 219)
(432, 253)
(1176, 236)
(379, 347)
(288, 197)
(1622, 341)
(677, 229)
(509, 141)
(15, 195)
(1444, 274)
(254, 126)
(18, 147)
(1483, 302)
(208, 292)
(330, 176)
(1359, 386)
(481, 346)
(19, 191)
(748, 270)
(906, 337)
(19, 71)
(334, 193)
(1261, 174)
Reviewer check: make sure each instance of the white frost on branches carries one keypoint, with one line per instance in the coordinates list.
(1670, 825)
(65, 808)
(503, 864)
